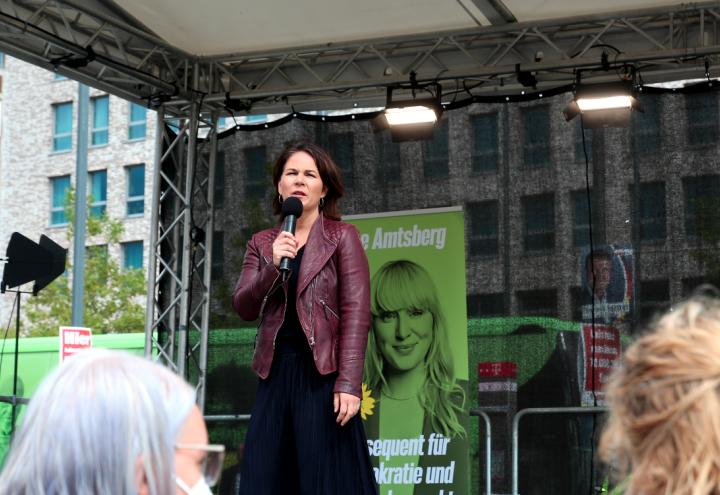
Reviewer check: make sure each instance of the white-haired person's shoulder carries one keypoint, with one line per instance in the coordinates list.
(106, 421)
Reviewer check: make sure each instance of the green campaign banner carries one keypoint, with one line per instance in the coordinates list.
(416, 365)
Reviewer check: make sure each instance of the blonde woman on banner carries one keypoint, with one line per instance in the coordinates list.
(409, 373)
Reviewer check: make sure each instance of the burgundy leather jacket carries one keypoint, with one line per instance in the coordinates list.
(333, 300)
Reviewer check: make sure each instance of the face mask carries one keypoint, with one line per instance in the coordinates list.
(199, 488)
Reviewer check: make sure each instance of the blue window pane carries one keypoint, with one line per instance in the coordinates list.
(137, 127)
(59, 187)
(136, 190)
(58, 218)
(101, 119)
(136, 207)
(133, 254)
(62, 135)
(98, 191)
(136, 180)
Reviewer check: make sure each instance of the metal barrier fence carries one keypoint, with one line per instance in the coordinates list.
(488, 445)
(538, 411)
(481, 413)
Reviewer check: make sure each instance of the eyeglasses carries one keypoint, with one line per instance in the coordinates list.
(213, 462)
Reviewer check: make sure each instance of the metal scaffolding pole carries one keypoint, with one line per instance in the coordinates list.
(207, 264)
(178, 313)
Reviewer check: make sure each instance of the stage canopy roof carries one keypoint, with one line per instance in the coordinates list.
(274, 56)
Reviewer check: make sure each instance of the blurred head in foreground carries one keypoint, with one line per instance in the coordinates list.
(108, 422)
(663, 433)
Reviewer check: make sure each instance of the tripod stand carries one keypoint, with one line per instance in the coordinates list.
(13, 399)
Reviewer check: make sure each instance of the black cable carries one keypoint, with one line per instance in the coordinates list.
(599, 45)
(588, 195)
(7, 329)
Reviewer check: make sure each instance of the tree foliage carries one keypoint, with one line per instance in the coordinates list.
(114, 299)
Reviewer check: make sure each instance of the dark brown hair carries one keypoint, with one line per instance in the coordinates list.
(329, 173)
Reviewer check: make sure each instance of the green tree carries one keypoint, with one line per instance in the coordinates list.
(114, 296)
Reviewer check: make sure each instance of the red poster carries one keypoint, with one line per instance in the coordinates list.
(601, 350)
(74, 340)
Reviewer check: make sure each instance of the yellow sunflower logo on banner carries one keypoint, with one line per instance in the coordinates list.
(367, 404)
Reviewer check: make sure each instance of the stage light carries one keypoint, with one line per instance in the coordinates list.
(418, 114)
(603, 105)
(414, 118)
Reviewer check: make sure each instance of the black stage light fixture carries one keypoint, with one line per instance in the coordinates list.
(604, 104)
(413, 119)
(28, 261)
(526, 78)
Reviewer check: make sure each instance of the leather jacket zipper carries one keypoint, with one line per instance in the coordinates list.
(277, 330)
(328, 308)
(311, 340)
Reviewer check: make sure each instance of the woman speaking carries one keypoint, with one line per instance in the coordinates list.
(304, 436)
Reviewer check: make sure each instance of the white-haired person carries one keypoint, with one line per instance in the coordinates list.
(663, 433)
(107, 422)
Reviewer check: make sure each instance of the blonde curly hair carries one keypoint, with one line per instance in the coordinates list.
(663, 433)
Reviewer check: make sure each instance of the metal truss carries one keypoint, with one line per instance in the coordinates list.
(664, 43)
(180, 260)
(85, 41)
(127, 60)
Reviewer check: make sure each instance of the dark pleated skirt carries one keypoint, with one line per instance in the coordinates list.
(293, 444)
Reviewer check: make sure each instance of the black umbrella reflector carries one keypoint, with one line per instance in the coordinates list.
(57, 264)
(29, 261)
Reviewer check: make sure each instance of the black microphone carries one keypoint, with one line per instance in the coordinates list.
(292, 209)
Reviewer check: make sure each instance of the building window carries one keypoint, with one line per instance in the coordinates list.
(2, 60)
(541, 302)
(579, 150)
(137, 124)
(702, 118)
(136, 190)
(652, 212)
(485, 143)
(483, 219)
(654, 298)
(577, 295)
(220, 124)
(646, 125)
(218, 255)
(436, 153)
(536, 137)
(97, 189)
(702, 204)
(388, 161)
(486, 305)
(219, 194)
(539, 222)
(255, 172)
(691, 284)
(62, 134)
(100, 120)
(342, 151)
(59, 187)
(581, 220)
(132, 254)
